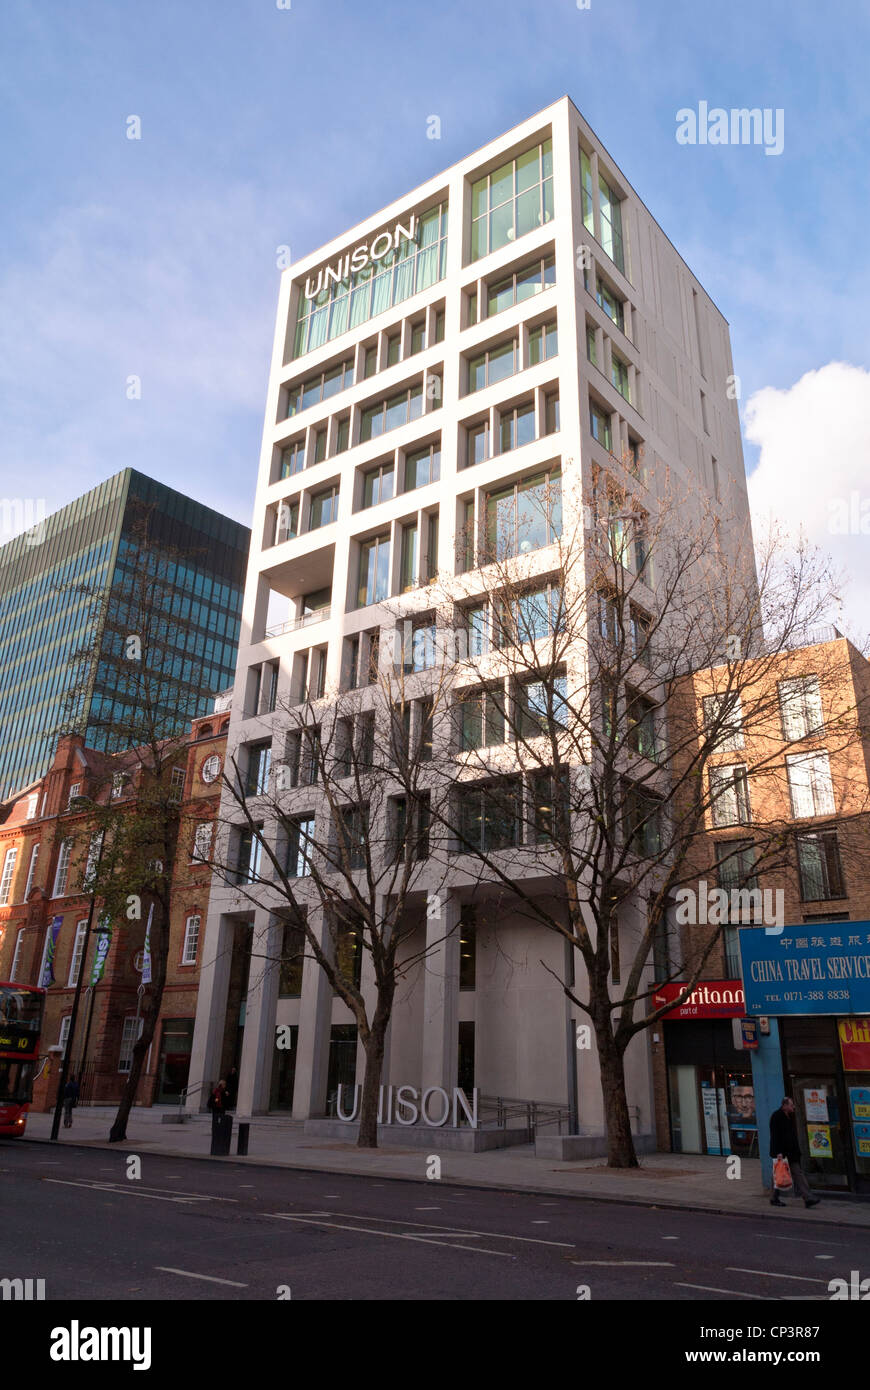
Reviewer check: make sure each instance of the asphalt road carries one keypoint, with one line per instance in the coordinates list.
(192, 1229)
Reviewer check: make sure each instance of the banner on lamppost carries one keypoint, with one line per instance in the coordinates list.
(146, 955)
(51, 946)
(104, 941)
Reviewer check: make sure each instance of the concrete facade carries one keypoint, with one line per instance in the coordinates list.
(659, 383)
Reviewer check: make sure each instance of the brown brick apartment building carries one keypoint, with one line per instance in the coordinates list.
(789, 818)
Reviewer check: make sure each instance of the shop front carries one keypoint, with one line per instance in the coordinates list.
(818, 989)
(711, 1099)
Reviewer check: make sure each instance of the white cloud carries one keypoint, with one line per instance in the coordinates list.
(814, 471)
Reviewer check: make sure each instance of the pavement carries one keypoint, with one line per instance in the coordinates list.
(680, 1181)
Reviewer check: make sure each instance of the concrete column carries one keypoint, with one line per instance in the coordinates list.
(441, 993)
(211, 1009)
(315, 1013)
(258, 1046)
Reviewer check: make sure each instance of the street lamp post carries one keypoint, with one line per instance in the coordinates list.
(65, 1062)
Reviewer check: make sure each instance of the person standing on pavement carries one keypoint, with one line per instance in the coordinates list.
(218, 1104)
(784, 1144)
(70, 1101)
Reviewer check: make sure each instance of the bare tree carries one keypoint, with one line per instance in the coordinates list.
(585, 746)
(334, 809)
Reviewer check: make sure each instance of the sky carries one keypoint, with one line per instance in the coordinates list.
(267, 123)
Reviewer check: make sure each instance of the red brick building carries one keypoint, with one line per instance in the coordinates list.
(44, 849)
(792, 789)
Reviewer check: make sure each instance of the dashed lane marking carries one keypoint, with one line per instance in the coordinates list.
(771, 1274)
(209, 1278)
(730, 1293)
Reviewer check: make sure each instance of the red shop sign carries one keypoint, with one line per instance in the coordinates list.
(709, 999)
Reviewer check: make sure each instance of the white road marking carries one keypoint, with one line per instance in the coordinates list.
(732, 1293)
(657, 1264)
(670, 1237)
(824, 1257)
(540, 1223)
(427, 1208)
(209, 1278)
(393, 1235)
(447, 1230)
(769, 1274)
(121, 1192)
(802, 1240)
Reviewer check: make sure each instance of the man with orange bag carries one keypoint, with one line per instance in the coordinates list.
(784, 1144)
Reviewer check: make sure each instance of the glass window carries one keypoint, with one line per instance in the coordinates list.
(524, 516)
(300, 847)
(729, 795)
(422, 466)
(8, 871)
(643, 822)
(409, 557)
(481, 721)
(536, 614)
(641, 724)
(543, 343)
(800, 705)
(611, 223)
(293, 458)
(725, 713)
(389, 414)
(819, 865)
(191, 940)
(542, 704)
(809, 781)
(518, 426)
(378, 485)
(478, 444)
(374, 571)
(551, 413)
(324, 508)
(404, 270)
(489, 816)
(342, 435)
(599, 425)
(619, 376)
(512, 200)
(586, 192)
(610, 302)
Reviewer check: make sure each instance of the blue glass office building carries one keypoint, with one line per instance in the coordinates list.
(68, 590)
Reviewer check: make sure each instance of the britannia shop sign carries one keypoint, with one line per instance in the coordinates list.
(356, 260)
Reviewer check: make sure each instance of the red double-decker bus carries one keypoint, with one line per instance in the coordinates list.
(21, 1009)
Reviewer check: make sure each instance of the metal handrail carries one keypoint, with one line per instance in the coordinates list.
(319, 615)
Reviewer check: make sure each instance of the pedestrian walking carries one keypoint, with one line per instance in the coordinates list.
(70, 1101)
(784, 1144)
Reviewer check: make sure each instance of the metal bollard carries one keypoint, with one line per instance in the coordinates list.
(221, 1135)
(244, 1131)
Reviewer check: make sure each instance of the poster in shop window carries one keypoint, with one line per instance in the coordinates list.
(715, 1120)
(816, 1104)
(820, 1141)
(859, 1105)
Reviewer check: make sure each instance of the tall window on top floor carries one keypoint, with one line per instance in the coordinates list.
(514, 199)
(611, 223)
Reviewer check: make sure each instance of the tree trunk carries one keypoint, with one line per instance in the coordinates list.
(611, 1059)
(368, 1113)
(118, 1132)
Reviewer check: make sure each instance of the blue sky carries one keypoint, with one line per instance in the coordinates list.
(263, 126)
